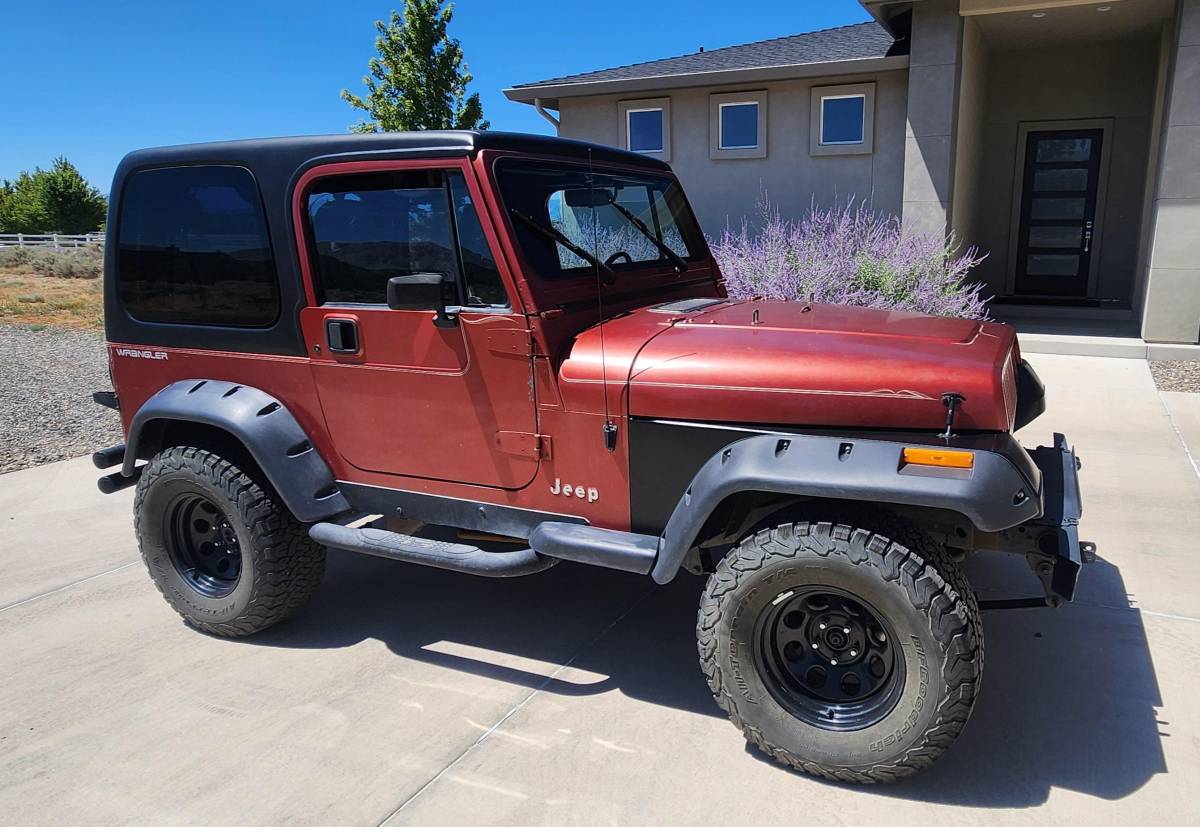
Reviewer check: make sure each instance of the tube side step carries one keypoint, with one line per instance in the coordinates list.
(435, 553)
(605, 547)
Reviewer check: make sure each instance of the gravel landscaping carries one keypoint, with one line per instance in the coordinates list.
(1177, 376)
(46, 381)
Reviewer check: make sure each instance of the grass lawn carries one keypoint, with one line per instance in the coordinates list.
(31, 299)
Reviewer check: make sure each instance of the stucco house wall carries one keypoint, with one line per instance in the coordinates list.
(724, 190)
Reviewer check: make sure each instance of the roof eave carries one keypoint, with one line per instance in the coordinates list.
(551, 93)
(886, 13)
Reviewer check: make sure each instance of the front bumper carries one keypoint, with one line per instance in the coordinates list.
(1059, 554)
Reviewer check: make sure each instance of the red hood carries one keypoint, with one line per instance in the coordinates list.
(785, 363)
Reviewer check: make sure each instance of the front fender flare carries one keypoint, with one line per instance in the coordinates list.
(994, 496)
(263, 425)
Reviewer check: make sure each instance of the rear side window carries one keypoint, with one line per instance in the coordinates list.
(369, 227)
(194, 249)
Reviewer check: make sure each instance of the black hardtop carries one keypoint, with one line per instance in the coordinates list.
(280, 157)
(276, 163)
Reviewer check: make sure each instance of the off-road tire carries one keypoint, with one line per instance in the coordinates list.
(921, 593)
(281, 567)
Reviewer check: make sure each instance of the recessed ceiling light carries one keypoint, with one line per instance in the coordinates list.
(1038, 15)
(1103, 8)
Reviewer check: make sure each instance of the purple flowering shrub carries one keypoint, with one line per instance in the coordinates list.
(849, 254)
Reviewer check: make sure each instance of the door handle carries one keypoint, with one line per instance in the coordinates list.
(1087, 236)
(341, 335)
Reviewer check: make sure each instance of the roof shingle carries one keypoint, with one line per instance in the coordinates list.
(855, 42)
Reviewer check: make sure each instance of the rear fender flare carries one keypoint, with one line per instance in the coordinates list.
(266, 428)
(994, 496)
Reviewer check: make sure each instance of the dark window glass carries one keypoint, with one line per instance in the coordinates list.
(1069, 179)
(1050, 150)
(739, 125)
(577, 203)
(1058, 208)
(480, 275)
(193, 248)
(645, 130)
(1055, 236)
(842, 119)
(1052, 265)
(370, 227)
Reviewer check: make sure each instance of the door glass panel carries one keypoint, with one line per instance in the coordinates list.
(1055, 237)
(1070, 179)
(369, 227)
(1063, 149)
(1052, 265)
(1057, 208)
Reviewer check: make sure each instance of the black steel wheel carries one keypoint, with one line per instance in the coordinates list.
(226, 554)
(851, 649)
(203, 545)
(829, 659)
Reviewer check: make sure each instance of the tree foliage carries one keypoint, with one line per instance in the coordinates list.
(418, 80)
(55, 200)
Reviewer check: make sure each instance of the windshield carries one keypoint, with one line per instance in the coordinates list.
(591, 212)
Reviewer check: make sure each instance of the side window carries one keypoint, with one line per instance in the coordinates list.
(367, 228)
(481, 277)
(193, 248)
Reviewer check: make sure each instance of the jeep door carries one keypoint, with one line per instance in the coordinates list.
(410, 392)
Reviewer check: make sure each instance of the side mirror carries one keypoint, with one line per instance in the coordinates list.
(421, 291)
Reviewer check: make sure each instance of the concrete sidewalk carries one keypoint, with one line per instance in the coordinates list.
(575, 697)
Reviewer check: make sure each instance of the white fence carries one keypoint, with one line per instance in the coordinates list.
(54, 241)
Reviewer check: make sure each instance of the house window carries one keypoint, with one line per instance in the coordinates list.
(646, 126)
(738, 125)
(645, 130)
(842, 119)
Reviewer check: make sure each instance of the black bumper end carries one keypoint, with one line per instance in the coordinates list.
(1061, 509)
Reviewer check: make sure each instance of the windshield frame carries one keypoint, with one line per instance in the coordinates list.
(637, 274)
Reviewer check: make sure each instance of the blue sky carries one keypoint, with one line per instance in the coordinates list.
(93, 81)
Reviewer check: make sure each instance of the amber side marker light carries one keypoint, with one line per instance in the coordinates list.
(939, 458)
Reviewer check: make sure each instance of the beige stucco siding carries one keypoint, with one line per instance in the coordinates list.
(968, 157)
(1172, 312)
(724, 191)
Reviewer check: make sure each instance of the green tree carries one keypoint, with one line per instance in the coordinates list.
(24, 208)
(73, 205)
(57, 200)
(418, 80)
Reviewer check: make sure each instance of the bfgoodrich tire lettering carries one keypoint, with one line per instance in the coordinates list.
(280, 567)
(897, 571)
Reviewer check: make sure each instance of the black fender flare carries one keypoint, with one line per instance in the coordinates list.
(263, 425)
(993, 495)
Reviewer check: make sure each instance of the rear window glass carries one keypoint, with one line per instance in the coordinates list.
(194, 249)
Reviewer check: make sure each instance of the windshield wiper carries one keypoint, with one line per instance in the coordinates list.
(678, 263)
(554, 234)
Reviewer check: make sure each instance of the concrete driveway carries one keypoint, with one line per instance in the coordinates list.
(575, 698)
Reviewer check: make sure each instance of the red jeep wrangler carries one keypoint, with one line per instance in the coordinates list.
(389, 343)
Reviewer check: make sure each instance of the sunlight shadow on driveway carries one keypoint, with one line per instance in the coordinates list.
(1069, 697)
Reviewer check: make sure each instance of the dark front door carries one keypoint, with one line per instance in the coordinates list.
(1058, 212)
